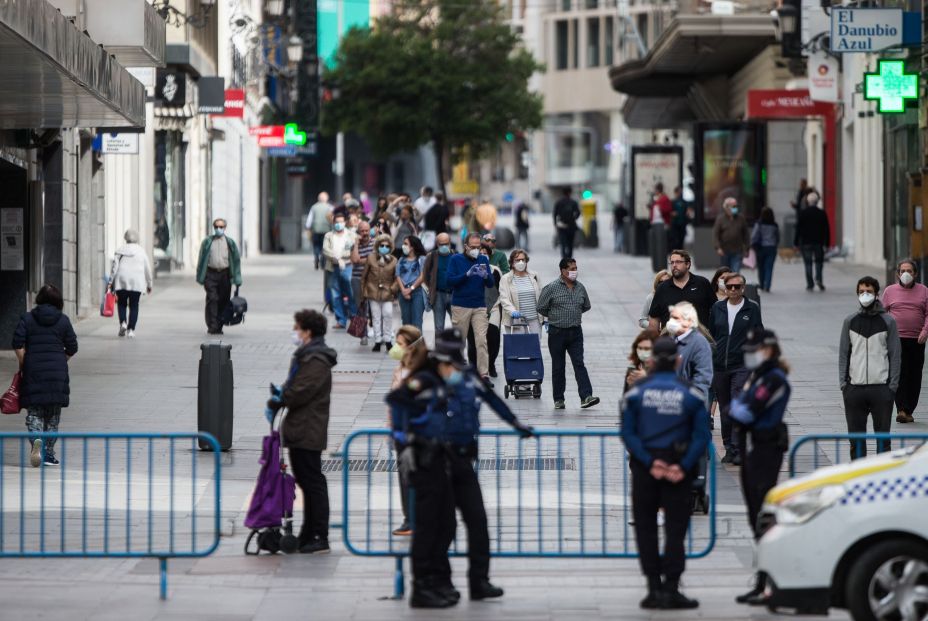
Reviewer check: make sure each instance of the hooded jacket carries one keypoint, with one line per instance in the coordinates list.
(307, 395)
(49, 340)
(379, 281)
(869, 352)
(131, 270)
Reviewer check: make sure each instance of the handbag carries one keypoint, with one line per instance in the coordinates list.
(9, 402)
(750, 261)
(358, 325)
(109, 304)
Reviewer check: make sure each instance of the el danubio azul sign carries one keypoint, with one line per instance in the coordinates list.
(865, 30)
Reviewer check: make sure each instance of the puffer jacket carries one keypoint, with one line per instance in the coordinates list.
(131, 269)
(49, 340)
(869, 351)
(307, 395)
(379, 281)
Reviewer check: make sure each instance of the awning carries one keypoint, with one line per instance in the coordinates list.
(53, 75)
(671, 86)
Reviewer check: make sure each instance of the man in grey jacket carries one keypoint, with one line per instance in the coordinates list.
(693, 348)
(869, 358)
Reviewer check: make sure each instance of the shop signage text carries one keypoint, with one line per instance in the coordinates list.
(119, 144)
(234, 104)
(865, 30)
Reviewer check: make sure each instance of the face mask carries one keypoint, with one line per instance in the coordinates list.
(473, 253)
(906, 278)
(721, 285)
(406, 249)
(866, 299)
(572, 275)
(674, 326)
(734, 211)
(339, 226)
(295, 338)
(643, 354)
(219, 231)
(519, 265)
(384, 250)
(455, 378)
(754, 359)
(397, 351)
(444, 249)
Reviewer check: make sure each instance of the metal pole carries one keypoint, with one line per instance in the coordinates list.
(340, 137)
(241, 196)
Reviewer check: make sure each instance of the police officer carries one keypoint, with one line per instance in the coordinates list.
(462, 424)
(665, 428)
(417, 411)
(758, 413)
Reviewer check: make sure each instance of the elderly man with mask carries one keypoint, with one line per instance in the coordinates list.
(218, 268)
(693, 347)
(907, 302)
(731, 235)
(436, 280)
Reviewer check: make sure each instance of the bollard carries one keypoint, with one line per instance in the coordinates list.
(214, 394)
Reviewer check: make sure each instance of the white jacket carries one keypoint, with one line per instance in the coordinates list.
(509, 297)
(131, 270)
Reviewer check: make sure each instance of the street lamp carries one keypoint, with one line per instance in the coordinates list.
(295, 49)
(275, 8)
(789, 20)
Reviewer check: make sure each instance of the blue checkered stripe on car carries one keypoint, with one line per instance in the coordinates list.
(887, 489)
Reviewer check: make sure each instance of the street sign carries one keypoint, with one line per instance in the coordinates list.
(288, 151)
(119, 144)
(890, 86)
(823, 77)
(293, 135)
(234, 103)
(865, 30)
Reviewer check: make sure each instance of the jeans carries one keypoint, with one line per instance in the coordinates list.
(766, 256)
(307, 470)
(566, 240)
(732, 260)
(618, 240)
(522, 239)
(340, 288)
(218, 287)
(126, 298)
(411, 310)
(728, 385)
(860, 402)
(318, 238)
(910, 377)
(561, 343)
(440, 309)
(810, 252)
(44, 418)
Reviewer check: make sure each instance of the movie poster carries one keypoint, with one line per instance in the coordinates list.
(652, 165)
(731, 166)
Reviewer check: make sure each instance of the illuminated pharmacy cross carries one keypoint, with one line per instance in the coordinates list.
(891, 86)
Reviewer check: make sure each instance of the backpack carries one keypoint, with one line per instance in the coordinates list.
(235, 310)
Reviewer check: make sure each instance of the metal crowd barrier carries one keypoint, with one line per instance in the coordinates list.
(811, 452)
(561, 494)
(132, 495)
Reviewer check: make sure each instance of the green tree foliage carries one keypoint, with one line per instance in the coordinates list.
(450, 72)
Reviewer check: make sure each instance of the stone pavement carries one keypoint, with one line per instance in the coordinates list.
(149, 384)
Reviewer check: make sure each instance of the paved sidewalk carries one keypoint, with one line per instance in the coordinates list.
(149, 384)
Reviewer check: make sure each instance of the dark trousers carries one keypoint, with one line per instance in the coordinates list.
(859, 403)
(766, 257)
(218, 287)
(649, 495)
(566, 240)
(561, 343)
(307, 469)
(728, 385)
(131, 299)
(812, 252)
(760, 469)
(493, 340)
(318, 238)
(468, 499)
(433, 519)
(910, 377)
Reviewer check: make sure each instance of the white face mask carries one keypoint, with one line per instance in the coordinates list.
(906, 279)
(406, 249)
(753, 359)
(643, 354)
(572, 275)
(473, 253)
(674, 326)
(295, 338)
(866, 299)
(519, 265)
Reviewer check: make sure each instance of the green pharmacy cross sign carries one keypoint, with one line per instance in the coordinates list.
(293, 135)
(890, 86)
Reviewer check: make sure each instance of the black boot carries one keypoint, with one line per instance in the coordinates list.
(760, 582)
(376, 347)
(446, 589)
(483, 589)
(655, 597)
(674, 599)
(425, 595)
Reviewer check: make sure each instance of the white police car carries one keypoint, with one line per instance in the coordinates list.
(851, 536)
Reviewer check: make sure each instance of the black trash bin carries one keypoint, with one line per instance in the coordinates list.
(214, 394)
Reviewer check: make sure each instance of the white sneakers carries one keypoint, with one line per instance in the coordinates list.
(122, 329)
(131, 334)
(35, 456)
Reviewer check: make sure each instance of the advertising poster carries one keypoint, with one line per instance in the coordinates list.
(730, 161)
(12, 251)
(652, 165)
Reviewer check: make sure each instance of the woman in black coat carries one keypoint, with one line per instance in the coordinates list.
(44, 342)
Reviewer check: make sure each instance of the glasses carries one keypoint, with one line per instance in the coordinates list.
(734, 287)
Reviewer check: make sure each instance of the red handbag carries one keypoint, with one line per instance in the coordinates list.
(9, 402)
(109, 304)
(357, 327)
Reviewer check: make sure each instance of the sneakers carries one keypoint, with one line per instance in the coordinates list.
(589, 402)
(364, 341)
(403, 530)
(821, 285)
(122, 329)
(674, 599)
(387, 346)
(560, 405)
(51, 460)
(376, 347)
(316, 546)
(35, 456)
(130, 334)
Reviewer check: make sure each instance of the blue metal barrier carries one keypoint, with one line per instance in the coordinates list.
(561, 494)
(836, 448)
(134, 495)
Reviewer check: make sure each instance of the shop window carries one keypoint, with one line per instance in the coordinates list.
(575, 43)
(643, 29)
(592, 42)
(608, 41)
(592, 4)
(560, 45)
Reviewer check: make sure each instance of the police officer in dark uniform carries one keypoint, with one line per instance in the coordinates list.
(665, 428)
(466, 390)
(758, 414)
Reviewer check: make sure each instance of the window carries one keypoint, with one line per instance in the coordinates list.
(643, 29)
(592, 42)
(565, 5)
(592, 4)
(575, 43)
(608, 42)
(560, 45)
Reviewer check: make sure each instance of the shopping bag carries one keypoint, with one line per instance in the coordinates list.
(358, 325)
(109, 304)
(750, 261)
(9, 402)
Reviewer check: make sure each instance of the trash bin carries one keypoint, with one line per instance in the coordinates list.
(214, 394)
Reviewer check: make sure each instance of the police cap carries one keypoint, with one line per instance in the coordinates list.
(664, 348)
(449, 347)
(758, 338)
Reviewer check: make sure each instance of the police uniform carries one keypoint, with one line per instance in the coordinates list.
(663, 419)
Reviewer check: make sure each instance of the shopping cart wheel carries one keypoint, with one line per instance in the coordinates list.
(536, 391)
(289, 544)
(506, 391)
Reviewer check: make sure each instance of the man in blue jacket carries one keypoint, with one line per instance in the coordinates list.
(469, 275)
(665, 429)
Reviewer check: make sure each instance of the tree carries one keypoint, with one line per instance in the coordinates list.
(442, 71)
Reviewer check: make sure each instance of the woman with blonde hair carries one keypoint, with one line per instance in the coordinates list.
(643, 320)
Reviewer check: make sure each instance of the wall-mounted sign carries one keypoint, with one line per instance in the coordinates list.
(293, 135)
(270, 136)
(823, 77)
(119, 144)
(212, 95)
(234, 103)
(171, 89)
(12, 251)
(653, 164)
(865, 30)
(890, 86)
